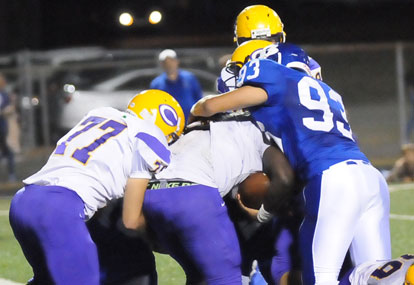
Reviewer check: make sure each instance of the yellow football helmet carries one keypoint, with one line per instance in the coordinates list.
(258, 22)
(409, 277)
(161, 109)
(244, 53)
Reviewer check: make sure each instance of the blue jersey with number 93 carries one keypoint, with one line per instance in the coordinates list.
(306, 114)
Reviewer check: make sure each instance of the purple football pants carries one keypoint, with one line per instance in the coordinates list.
(48, 222)
(192, 225)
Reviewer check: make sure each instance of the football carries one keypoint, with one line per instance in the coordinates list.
(253, 189)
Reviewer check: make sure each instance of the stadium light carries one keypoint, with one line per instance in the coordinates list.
(126, 19)
(155, 17)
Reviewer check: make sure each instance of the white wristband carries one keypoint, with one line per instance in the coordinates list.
(263, 215)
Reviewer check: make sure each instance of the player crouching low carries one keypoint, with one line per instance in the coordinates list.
(109, 154)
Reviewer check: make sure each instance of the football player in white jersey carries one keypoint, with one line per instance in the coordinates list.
(109, 154)
(387, 272)
(184, 206)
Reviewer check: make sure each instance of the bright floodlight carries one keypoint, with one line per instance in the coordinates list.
(126, 19)
(155, 17)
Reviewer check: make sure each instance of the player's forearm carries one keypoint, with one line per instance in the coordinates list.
(133, 200)
(203, 107)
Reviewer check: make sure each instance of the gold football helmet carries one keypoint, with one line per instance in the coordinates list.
(245, 52)
(161, 109)
(258, 22)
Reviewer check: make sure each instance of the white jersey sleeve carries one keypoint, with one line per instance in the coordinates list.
(151, 153)
(98, 155)
(390, 272)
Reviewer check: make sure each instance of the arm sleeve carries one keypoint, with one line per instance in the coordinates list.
(139, 169)
(151, 154)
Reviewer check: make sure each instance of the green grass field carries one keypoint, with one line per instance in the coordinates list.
(14, 267)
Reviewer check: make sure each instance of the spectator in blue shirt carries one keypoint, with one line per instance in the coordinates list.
(181, 84)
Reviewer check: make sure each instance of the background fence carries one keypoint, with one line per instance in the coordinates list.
(370, 78)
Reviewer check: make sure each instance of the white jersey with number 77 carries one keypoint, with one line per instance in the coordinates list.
(100, 153)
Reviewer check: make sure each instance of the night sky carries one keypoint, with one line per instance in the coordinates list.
(43, 25)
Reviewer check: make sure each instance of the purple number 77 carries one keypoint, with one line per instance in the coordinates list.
(89, 123)
(82, 154)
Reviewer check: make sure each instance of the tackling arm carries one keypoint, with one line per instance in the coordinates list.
(242, 97)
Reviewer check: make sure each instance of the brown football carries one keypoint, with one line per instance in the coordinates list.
(253, 189)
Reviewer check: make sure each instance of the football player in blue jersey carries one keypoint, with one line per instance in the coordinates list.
(346, 198)
(263, 24)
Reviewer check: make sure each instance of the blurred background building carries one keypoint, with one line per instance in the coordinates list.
(62, 58)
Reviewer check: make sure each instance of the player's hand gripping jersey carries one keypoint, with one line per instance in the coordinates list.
(300, 108)
(136, 149)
